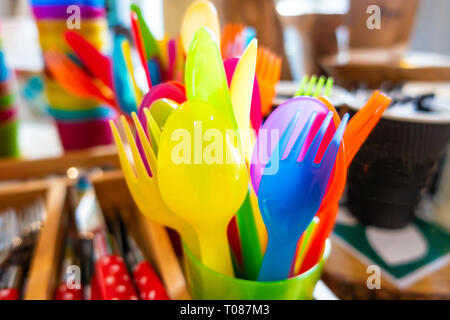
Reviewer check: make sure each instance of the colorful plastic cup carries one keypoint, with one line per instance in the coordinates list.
(60, 12)
(89, 114)
(9, 139)
(6, 86)
(76, 135)
(206, 284)
(60, 99)
(88, 27)
(7, 100)
(56, 41)
(95, 3)
(8, 114)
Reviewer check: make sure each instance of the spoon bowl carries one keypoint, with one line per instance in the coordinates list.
(202, 176)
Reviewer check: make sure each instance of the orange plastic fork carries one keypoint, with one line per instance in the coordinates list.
(364, 121)
(74, 80)
(356, 133)
(268, 72)
(230, 33)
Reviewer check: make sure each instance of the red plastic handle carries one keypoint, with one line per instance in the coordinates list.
(149, 285)
(64, 293)
(9, 294)
(113, 279)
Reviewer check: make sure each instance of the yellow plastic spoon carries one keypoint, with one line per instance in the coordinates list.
(201, 13)
(202, 176)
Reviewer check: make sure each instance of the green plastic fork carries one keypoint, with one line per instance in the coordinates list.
(312, 87)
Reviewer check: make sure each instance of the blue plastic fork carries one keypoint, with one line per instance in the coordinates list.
(289, 199)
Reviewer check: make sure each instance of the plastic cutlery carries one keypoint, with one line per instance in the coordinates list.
(338, 179)
(161, 91)
(97, 63)
(127, 55)
(149, 42)
(290, 198)
(277, 122)
(73, 79)
(205, 77)
(123, 87)
(255, 108)
(313, 87)
(199, 14)
(137, 34)
(241, 89)
(231, 46)
(364, 122)
(171, 58)
(197, 182)
(268, 72)
(143, 187)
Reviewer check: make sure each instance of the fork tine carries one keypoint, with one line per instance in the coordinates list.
(298, 145)
(319, 86)
(138, 163)
(367, 112)
(330, 154)
(312, 151)
(126, 167)
(282, 144)
(264, 66)
(276, 70)
(364, 114)
(270, 65)
(312, 83)
(153, 130)
(149, 153)
(328, 87)
(302, 86)
(259, 59)
(359, 138)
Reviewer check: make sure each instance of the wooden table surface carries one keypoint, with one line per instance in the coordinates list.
(346, 276)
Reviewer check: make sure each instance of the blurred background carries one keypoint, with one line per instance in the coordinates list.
(421, 25)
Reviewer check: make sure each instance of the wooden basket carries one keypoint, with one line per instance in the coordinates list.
(112, 193)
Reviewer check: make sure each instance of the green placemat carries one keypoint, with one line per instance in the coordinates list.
(405, 255)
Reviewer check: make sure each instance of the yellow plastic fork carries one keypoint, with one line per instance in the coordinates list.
(144, 188)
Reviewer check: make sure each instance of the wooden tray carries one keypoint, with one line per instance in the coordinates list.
(20, 169)
(54, 193)
(112, 193)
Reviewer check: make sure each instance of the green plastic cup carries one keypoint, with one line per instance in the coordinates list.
(9, 139)
(206, 284)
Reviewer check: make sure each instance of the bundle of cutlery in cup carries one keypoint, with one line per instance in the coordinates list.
(250, 199)
(196, 165)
